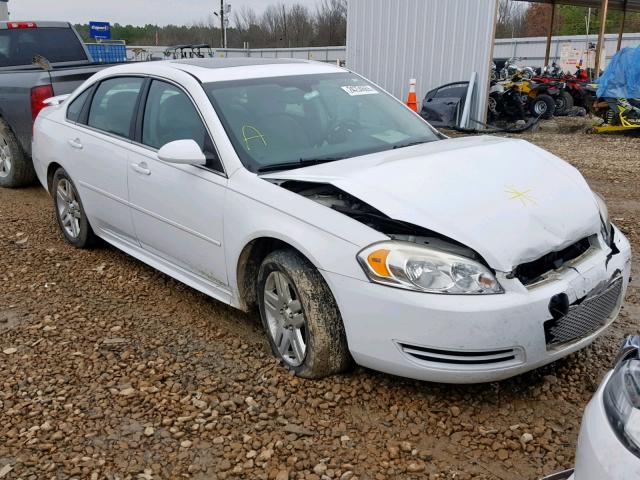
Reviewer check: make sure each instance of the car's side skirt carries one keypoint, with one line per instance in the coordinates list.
(197, 282)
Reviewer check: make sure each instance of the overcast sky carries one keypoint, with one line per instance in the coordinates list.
(135, 12)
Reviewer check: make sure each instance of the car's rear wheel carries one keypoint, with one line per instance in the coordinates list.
(70, 213)
(16, 170)
(300, 316)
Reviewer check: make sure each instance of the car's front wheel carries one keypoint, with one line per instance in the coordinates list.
(300, 316)
(70, 213)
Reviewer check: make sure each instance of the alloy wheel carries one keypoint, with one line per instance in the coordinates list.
(5, 158)
(285, 319)
(68, 208)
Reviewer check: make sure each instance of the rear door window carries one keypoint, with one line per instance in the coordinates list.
(18, 46)
(113, 105)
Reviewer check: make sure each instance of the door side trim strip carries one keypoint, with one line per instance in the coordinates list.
(151, 214)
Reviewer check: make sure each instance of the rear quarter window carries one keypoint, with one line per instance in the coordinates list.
(75, 107)
(19, 46)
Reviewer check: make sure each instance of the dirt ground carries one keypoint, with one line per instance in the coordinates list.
(109, 369)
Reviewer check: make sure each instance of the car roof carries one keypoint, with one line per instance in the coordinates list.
(235, 62)
(207, 70)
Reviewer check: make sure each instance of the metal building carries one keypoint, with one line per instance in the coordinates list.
(434, 41)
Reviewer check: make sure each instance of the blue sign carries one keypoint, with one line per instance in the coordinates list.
(100, 30)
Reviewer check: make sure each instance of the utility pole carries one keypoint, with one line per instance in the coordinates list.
(222, 32)
(284, 18)
(225, 9)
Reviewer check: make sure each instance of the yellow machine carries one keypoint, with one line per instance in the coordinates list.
(619, 117)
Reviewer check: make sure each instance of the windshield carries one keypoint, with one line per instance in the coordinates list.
(284, 122)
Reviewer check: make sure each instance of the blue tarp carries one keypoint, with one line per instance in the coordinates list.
(621, 79)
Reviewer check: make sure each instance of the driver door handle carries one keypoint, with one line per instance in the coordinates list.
(75, 143)
(141, 168)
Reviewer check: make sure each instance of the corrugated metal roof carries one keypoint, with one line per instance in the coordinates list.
(434, 41)
(631, 5)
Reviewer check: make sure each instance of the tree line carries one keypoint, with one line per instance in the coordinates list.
(278, 26)
(519, 19)
(295, 25)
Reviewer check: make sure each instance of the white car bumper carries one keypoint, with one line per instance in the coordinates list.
(466, 339)
(600, 454)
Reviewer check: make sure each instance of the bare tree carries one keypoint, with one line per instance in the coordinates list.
(331, 22)
(244, 18)
(273, 25)
(280, 25)
(511, 18)
(300, 26)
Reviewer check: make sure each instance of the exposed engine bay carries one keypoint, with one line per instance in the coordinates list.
(345, 203)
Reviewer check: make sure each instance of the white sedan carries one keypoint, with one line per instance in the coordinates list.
(609, 441)
(357, 230)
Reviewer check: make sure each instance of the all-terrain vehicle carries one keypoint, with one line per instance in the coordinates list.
(619, 114)
(505, 103)
(539, 98)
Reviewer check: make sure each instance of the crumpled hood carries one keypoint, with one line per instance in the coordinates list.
(509, 200)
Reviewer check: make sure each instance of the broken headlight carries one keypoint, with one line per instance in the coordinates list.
(414, 267)
(605, 221)
(621, 398)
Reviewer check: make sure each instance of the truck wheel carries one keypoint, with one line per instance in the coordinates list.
(543, 106)
(300, 316)
(16, 170)
(70, 214)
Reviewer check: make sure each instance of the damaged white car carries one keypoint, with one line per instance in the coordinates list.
(357, 230)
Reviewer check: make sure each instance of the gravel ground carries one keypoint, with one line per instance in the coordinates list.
(109, 369)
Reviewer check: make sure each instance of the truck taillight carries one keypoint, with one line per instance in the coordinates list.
(12, 25)
(38, 95)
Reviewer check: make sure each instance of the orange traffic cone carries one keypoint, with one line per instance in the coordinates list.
(412, 101)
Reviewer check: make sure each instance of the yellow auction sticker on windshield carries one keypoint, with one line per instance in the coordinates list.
(355, 90)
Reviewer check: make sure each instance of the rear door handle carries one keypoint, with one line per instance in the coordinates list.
(141, 168)
(75, 143)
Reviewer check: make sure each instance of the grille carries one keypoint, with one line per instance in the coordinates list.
(585, 317)
(533, 272)
(426, 354)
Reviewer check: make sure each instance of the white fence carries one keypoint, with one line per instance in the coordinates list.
(320, 54)
(531, 50)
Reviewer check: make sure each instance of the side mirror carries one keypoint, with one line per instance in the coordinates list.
(182, 152)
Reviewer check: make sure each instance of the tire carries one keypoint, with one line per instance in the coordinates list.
(296, 305)
(543, 106)
(494, 103)
(16, 169)
(564, 103)
(70, 214)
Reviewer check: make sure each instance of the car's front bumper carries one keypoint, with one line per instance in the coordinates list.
(565, 475)
(465, 338)
(600, 455)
